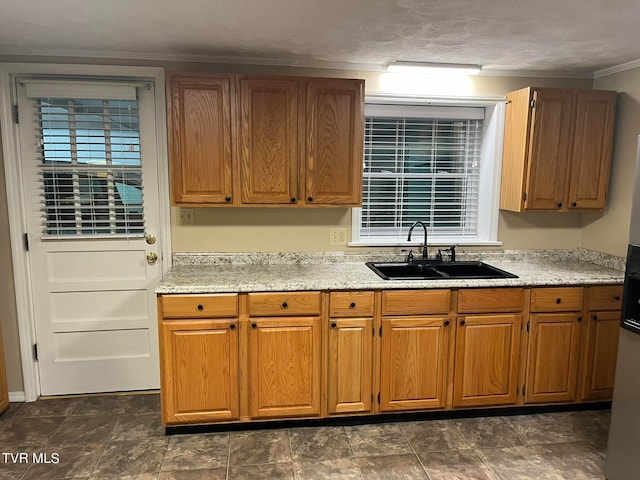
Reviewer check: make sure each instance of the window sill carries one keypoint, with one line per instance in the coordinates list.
(472, 242)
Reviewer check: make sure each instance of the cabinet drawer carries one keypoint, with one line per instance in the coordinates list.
(605, 298)
(562, 299)
(284, 303)
(416, 302)
(351, 304)
(200, 306)
(492, 300)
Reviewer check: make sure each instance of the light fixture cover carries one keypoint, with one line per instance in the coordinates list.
(427, 67)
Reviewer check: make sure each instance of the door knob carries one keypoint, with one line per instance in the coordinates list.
(152, 258)
(150, 239)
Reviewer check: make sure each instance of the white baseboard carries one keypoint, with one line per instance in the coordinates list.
(16, 396)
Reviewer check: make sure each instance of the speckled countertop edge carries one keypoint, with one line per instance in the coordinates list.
(256, 272)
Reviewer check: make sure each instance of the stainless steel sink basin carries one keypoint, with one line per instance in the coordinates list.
(434, 270)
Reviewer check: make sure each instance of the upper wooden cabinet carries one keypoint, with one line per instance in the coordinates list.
(557, 149)
(201, 138)
(241, 140)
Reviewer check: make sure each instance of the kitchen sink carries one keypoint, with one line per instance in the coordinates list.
(436, 270)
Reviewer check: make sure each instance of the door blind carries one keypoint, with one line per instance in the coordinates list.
(424, 169)
(90, 168)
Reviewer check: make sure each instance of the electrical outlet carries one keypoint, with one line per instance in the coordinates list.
(338, 236)
(187, 216)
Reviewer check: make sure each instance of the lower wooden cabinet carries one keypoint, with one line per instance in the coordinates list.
(600, 355)
(199, 371)
(284, 366)
(486, 366)
(350, 365)
(552, 357)
(414, 362)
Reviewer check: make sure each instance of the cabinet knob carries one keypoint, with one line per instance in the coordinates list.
(463, 322)
(227, 199)
(294, 199)
(617, 298)
(446, 323)
(559, 204)
(580, 318)
(594, 316)
(309, 199)
(254, 325)
(334, 325)
(232, 326)
(574, 204)
(353, 305)
(285, 305)
(558, 301)
(200, 308)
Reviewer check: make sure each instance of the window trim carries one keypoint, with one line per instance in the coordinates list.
(491, 151)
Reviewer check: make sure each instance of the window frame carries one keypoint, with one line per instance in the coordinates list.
(490, 172)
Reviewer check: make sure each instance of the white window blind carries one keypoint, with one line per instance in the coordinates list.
(421, 163)
(89, 163)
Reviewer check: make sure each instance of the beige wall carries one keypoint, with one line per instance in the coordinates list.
(288, 230)
(610, 232)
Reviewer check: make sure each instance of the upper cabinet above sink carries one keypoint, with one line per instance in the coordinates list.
(557, 149)
(242, 140)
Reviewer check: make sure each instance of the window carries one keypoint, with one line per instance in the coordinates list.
(89, 163)
(437, 164)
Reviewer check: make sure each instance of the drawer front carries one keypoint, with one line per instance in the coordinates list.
(491, 300)
(200, 306)
(351, 304)
(415, 302)
(561, 299)
(284, 303)
(605, 298)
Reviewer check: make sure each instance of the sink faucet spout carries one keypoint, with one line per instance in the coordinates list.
(425, 253)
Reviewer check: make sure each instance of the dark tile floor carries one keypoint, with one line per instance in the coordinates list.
(120, 437)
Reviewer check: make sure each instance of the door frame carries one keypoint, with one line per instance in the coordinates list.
(15, 201)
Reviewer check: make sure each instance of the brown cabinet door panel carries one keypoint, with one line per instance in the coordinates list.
(269, 140)
(350, 365)
(334, 143)
(593, 140)
(201, 139)
(486, 369)
(600, 355)
(413, 363)
(209, 348)
(549, 148)
(284, 367)
(552, 358)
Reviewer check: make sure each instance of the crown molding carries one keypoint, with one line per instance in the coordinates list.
(52, 54)
(617, 69)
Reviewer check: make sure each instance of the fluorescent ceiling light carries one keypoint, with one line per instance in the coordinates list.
(435, 68)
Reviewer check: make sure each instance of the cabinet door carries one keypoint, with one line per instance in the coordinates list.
(284, 367)
(591, 157)
(487, 350)
(200, 138)
(600, 355)
(350, 365)
(199, 371)
(269, 140)
(549, 148)
(413, 363)
(335, 136)
(552, 358)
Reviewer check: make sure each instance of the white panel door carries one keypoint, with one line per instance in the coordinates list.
(90, 187)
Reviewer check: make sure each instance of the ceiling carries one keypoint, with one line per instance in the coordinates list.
(575, 37)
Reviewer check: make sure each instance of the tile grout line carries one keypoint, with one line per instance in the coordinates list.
(426, 472)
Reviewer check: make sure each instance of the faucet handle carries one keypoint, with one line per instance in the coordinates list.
(409, 254)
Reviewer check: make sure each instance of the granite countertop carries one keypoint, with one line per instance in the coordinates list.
(218, 273)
